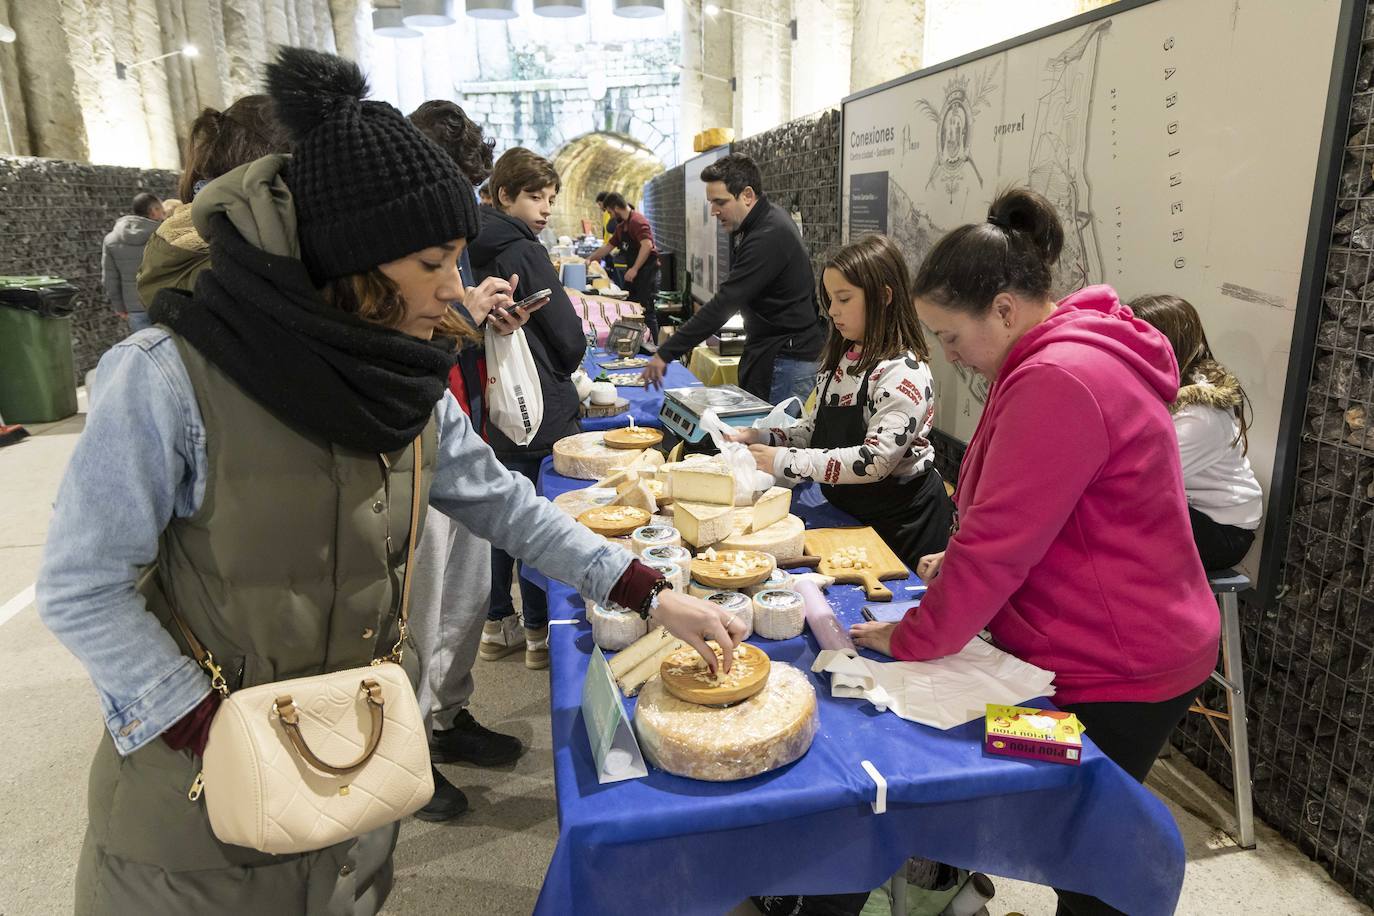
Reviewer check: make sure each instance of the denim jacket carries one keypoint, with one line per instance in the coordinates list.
(142, 461)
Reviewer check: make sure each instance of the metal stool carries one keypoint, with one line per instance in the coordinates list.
(1226, 584)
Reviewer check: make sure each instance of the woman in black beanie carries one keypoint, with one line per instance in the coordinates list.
(253, 471)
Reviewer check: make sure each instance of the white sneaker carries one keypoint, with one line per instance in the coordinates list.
(501, 638)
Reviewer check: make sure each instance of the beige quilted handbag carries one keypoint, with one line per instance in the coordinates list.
(299, 765)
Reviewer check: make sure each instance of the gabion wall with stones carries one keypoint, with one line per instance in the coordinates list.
(665, 207)
(1310, 660)
(54, 215)
(800, 162)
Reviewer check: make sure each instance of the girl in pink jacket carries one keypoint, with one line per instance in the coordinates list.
(1073, 545)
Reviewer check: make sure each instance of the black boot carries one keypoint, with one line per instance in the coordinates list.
(448, 801)
(468, 742)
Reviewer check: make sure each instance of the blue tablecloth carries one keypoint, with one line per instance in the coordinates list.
(669, 845)
(645, 403)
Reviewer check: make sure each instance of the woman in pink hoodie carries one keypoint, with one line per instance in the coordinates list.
(1073, 545)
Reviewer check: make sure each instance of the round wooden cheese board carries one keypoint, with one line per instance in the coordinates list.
(733, 569)
(615, 521)
(685, 676)
(637, 437)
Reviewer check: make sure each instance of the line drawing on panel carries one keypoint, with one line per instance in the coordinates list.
(954, 127)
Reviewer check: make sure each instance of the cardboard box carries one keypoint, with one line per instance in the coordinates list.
(1036, 734)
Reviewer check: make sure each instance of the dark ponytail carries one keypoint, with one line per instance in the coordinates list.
(1015, 250)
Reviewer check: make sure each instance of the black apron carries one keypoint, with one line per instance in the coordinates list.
(913, 517)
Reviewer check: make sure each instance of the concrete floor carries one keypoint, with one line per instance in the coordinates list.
(490, 862)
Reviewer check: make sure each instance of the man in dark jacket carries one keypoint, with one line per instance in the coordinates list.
(771, 284)
(121, 255)
(523, 189)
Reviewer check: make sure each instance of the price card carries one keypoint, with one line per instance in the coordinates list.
(613, 743)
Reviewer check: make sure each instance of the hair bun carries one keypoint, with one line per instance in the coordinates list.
(308, 88)
(1028, 213)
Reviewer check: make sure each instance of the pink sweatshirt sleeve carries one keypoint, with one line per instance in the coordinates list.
(1049, 441)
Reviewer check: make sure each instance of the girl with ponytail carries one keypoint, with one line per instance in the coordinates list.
(1072, 545)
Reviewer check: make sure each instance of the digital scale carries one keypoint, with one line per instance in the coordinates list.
(683, 408)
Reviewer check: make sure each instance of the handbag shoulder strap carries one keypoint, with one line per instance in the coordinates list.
(206, 659)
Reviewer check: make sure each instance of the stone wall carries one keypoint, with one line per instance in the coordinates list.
(55, 215)
(665, 207)
(800, 162)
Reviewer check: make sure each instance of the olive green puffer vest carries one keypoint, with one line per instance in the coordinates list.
(291, 567)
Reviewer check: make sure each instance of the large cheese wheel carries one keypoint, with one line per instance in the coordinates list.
(575, 502)
(769, 730)
(785, 540)
(586, 457)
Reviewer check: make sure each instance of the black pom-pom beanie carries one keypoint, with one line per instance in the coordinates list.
(367, 185)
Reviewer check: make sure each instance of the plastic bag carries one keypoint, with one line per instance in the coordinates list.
(515, 402)
(780, 417)
(748, 478)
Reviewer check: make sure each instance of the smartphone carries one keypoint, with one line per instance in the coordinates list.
(533, 298)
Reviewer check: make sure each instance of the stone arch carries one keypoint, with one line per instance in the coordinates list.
(600, 161)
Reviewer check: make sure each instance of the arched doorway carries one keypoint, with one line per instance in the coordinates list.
(595, 162)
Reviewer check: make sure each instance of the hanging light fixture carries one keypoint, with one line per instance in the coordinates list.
(427, 14)
(491, 9)
(638, 9)
(389, 23)
(560, 9)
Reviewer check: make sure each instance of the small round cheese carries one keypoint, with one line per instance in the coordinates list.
(673, 573)
(778, 614)
(586, 456)
(769, 730)
(779, 579)
(655, 536)
(739, 606)
(677, 555)
(697, 590)
(614, 628)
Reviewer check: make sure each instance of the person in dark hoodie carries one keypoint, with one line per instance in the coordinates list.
(267, 440)
(122, 253)
(770, 283)
(523, 189)
(1072, 545)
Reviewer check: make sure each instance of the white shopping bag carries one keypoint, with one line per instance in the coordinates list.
(515, 402)
(779, 418)
(748, 477)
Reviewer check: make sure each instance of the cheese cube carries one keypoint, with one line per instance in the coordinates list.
(771, 508)
(702, 525)
(712, 485)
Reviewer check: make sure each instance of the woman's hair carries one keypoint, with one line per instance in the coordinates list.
(221, 141)
(375, 297)
(458, 135)
(518, 170)
(1177, 320)
(874, 265)
(1014, 250)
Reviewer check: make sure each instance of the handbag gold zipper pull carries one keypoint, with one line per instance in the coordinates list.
(197, 787)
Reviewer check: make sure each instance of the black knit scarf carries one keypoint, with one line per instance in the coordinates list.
(259, 318)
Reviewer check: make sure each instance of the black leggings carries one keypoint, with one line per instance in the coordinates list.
(1131, 735)
(1220, 546)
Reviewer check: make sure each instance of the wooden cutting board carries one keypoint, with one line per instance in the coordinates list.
(824, 542)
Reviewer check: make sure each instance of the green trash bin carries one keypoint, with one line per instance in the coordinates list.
(37, 370)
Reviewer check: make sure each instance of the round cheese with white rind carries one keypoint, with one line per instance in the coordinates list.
(615, 628)
(678, 555)
(785, 540)
(697, 590)
(586, 456)
(778, 614)
(769, 730)
(655, 536)
(780, 578)
(738, 605)
(673, 573)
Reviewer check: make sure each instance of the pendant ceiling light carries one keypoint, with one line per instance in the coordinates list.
(491, 9)
(428, 14)
(560, 9)
(638, 9)
(389, 23)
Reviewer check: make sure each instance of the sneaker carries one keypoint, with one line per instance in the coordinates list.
(500, 638)
(537, 648)
(469, 742)
(448, 801)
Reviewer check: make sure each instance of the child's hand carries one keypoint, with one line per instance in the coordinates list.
(765, 457)
(748, 435)
(929, 566)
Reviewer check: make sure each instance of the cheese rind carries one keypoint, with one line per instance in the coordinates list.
(709, 485)
(778, 614)
(779, 579)
(655, 536)
(615, 628)
(586, 457)
(703, 525)
(785, 540)
(770, 508)
(769, 730)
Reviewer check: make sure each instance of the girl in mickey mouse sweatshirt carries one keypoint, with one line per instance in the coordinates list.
(866, 439)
